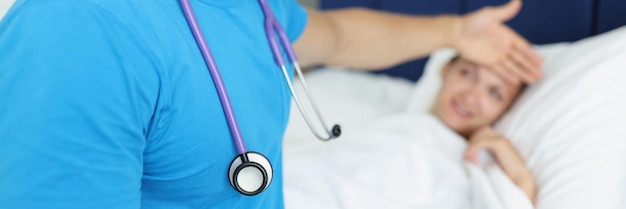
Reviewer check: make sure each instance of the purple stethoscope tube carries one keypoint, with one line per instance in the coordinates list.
(215, 75)
(250, 173)
(271, 27)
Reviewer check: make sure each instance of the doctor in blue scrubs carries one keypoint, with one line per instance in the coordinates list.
(108, 103)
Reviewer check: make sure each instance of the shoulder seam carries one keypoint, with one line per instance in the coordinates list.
(162, 105)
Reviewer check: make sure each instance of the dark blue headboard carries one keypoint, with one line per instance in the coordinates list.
(540, 21)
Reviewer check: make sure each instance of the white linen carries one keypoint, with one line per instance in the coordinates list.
(491, 188)
(403, 161)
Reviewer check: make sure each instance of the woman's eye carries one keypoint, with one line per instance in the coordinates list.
(493, 93)
(467, 73)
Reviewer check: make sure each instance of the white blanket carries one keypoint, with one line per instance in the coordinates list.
(403, 161)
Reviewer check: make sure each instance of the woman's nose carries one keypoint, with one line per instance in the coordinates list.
(471, 94)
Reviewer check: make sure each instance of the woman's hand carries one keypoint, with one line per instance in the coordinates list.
(482, 37)
(505, 155)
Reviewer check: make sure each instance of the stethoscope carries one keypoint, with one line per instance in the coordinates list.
(250, 173)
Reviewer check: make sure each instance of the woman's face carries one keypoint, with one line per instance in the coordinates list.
(472, 97)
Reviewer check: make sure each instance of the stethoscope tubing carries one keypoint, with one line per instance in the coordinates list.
(241, 161)
(272, 26)
(215, 75)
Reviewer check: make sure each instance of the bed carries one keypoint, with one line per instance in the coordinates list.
(569, 127)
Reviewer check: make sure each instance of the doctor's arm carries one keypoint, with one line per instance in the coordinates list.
(370, 40)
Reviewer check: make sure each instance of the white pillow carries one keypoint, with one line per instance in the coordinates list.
(571, 126)
(427, 87)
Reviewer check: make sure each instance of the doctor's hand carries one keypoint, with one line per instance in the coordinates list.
(505, 154)
(482, 37)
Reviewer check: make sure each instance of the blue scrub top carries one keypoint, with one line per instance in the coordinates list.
(108, 103)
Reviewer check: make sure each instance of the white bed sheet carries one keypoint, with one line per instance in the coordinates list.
(404, 161)
(393, 163)
(386, 157)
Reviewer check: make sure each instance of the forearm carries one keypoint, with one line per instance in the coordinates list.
(373, 40)
(505, 155)
(514, 166)
(527, 184)
(367, 39)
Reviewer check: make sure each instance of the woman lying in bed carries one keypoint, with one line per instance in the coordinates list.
(569, 128)
(471, 99)
(414, 161)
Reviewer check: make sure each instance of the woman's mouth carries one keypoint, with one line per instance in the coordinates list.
(460, 110)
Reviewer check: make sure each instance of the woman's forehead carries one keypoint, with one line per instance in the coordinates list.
(487, 75)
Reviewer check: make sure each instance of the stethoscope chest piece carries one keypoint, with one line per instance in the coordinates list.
(250, 173)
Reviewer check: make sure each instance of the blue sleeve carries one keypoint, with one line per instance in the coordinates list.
(77, 95)
(296, 20)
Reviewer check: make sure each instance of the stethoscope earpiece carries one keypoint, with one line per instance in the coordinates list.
(336, 131)
(250, 173)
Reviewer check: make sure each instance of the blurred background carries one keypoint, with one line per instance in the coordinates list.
(310, 3)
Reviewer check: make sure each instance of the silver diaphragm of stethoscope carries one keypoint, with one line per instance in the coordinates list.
(335, 132)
